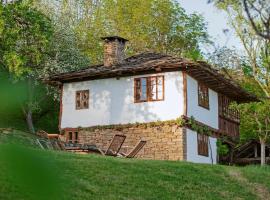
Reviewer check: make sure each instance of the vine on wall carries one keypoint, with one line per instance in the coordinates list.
(180, 121)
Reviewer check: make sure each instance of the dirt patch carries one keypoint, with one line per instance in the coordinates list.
(258, 189)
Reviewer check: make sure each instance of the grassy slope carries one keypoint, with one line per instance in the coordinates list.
(74, 176)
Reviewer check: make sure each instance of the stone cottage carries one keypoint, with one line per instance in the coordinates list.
(180, 107)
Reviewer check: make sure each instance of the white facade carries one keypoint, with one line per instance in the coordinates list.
(111, 101)
(206, 116)
(192, 150)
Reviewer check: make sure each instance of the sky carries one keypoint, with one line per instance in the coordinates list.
(216, 22)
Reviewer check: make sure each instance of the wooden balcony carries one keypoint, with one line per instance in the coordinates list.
(229, 118)
(229, 127)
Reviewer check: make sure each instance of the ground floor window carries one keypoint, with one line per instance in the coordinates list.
(202, 144)
(72, 136)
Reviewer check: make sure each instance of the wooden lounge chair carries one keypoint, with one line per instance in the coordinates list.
(114, 146)
(134, 151)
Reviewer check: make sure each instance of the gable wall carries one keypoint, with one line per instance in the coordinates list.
(208, 117)
(112, 102)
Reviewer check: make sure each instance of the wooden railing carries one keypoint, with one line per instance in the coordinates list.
(229, 118)
(229, 127)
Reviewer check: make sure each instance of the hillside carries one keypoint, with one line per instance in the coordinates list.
(38, 174)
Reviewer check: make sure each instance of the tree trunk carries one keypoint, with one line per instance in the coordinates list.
(262, 152)
(29, 121)
(256, 151)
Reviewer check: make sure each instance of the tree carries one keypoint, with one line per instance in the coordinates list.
(257, 48)
(24, 40)
(258, 12)
(256, 123)
(150, 25)
(32, 48)
(225, 58)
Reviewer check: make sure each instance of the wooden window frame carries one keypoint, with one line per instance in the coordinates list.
(201, 102)
(82, 101)
(148, 89)
(74, 136)
(203, 144)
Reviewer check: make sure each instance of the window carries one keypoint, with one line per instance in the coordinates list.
(82, 99)
(203, 96)
(202, 144)
(73, 137)
(149, 89)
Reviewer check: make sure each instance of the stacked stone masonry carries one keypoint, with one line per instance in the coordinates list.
(113, 52)
(166, 142)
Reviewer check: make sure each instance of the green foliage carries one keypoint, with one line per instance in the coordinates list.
(255, 120)
(222, 149)
(202, 129)
(150, 25)
(25, 37)
(180, 121)
(256, 47)
(32, 47)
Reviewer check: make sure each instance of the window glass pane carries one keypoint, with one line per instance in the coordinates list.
(76, 137)
(153, 88)
(160, 88)
(143, 89)
(203, 96)
(160, 80)
(137, 89)
(78, 99)
(70, 137)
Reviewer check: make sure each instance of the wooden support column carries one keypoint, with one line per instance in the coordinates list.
(185, 92)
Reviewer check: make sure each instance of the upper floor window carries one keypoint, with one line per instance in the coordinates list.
(202, 144)
(203, 96)
(82, 99)
(149, 89)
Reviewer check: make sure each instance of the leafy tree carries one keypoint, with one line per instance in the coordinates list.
(33, 47)
(258, 12)
(24, 40)
(225, 58)
(150, 25)
(256, 123)
(257, 48)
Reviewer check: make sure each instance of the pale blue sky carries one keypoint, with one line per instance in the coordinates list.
(216, 19)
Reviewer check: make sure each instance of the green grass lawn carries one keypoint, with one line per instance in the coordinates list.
(39, 174)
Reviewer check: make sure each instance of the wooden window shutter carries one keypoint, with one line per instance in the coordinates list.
(203, 141)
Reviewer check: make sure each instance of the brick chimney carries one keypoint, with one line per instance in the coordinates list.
(114, 48)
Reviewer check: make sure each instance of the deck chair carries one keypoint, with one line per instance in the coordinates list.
(135, 150)
(114, 146)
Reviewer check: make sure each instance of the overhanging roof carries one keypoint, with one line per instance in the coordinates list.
(146, 63)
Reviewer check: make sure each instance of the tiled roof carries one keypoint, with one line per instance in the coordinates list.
(146, 63)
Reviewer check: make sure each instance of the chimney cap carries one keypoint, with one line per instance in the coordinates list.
(111, 38)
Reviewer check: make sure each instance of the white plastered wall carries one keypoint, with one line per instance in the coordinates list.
(112, 102)
(208, 117)
(192, 149)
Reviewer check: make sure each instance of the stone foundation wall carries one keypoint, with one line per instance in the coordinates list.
(166, 142)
